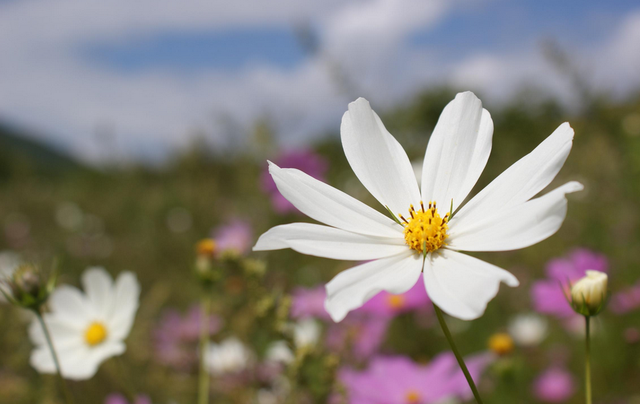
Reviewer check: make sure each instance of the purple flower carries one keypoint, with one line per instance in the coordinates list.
(548, 295)
(361, 334)
(626, 300)
(387, 304)
(235, 236)
(176, 338)
(305, 160)
(554, 385)
(120, 399)
(399, 380)
(309, 303)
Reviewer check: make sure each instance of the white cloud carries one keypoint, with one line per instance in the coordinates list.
(46, 85)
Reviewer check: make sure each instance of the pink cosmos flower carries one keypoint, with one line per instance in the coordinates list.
(399, 380)
(305, 160)
(548, 295)
(626, 300)
(236, 235)
(176, 337)
(554, 385)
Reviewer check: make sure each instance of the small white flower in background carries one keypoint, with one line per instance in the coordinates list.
(229, 356)
(306, 333)
(279, 352)
(528, 329)
(423, 239)
(9, 261)
(86, 328)
(589, 294)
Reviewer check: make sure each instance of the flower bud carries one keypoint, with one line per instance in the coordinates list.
(588, 295)
(28, 287)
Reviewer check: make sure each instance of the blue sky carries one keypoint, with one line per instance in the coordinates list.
(157, 72)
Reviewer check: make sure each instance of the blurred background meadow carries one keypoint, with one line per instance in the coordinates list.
(131, 132)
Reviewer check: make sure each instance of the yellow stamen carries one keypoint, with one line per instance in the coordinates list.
(501, 343)
(426, 229)
(95, 334)
(412, 397)
(396, 301)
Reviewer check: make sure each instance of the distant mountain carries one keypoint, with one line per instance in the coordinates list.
(21, 154)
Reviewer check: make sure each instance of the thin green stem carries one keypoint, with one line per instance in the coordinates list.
(63, 384)
(454, 348)
(587, 367)
(203, 379)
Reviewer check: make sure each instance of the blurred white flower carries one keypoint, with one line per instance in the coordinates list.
(86, 328)
(399, 251)
(306, 332)
(528, 329)
(279, 352)
(9, 261)
(229, 356)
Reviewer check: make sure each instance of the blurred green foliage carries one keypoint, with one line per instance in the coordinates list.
(148, 220)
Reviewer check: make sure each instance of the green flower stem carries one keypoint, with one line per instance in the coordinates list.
(203, 379)
(63, 384)
(454, 348)
(587, 368)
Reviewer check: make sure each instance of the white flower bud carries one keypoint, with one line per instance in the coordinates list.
(588, 295)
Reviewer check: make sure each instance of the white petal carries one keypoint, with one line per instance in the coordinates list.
(63, 334)
(517, 227)
(377, 158)
(98, 287)
(70, 305)
(524, 179)
(457, 152)
(328, 205)
(350, 289)
(125, 306)
(329, 242)
(77, 363)
(462, 285)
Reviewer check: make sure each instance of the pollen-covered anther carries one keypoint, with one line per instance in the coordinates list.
(425, 230)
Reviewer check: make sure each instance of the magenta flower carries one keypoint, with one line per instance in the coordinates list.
(235, 236)
(309, 303)
(176, 338)
(120, 399)
(626, 300)
(554, 385)
(305, 160)
(399, 380)
(360, 333)
(387, 304)
(548, 295)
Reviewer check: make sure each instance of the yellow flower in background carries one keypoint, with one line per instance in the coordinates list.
(430, 227)
(501, 343)
(86, 328)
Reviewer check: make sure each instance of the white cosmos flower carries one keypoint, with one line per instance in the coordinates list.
(229, 356)
(503, 216)
(86, 328)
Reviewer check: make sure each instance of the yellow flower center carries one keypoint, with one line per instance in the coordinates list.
(95, 334)
(396, 301)
(412, 397)
(425, 231)
(501, 343)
